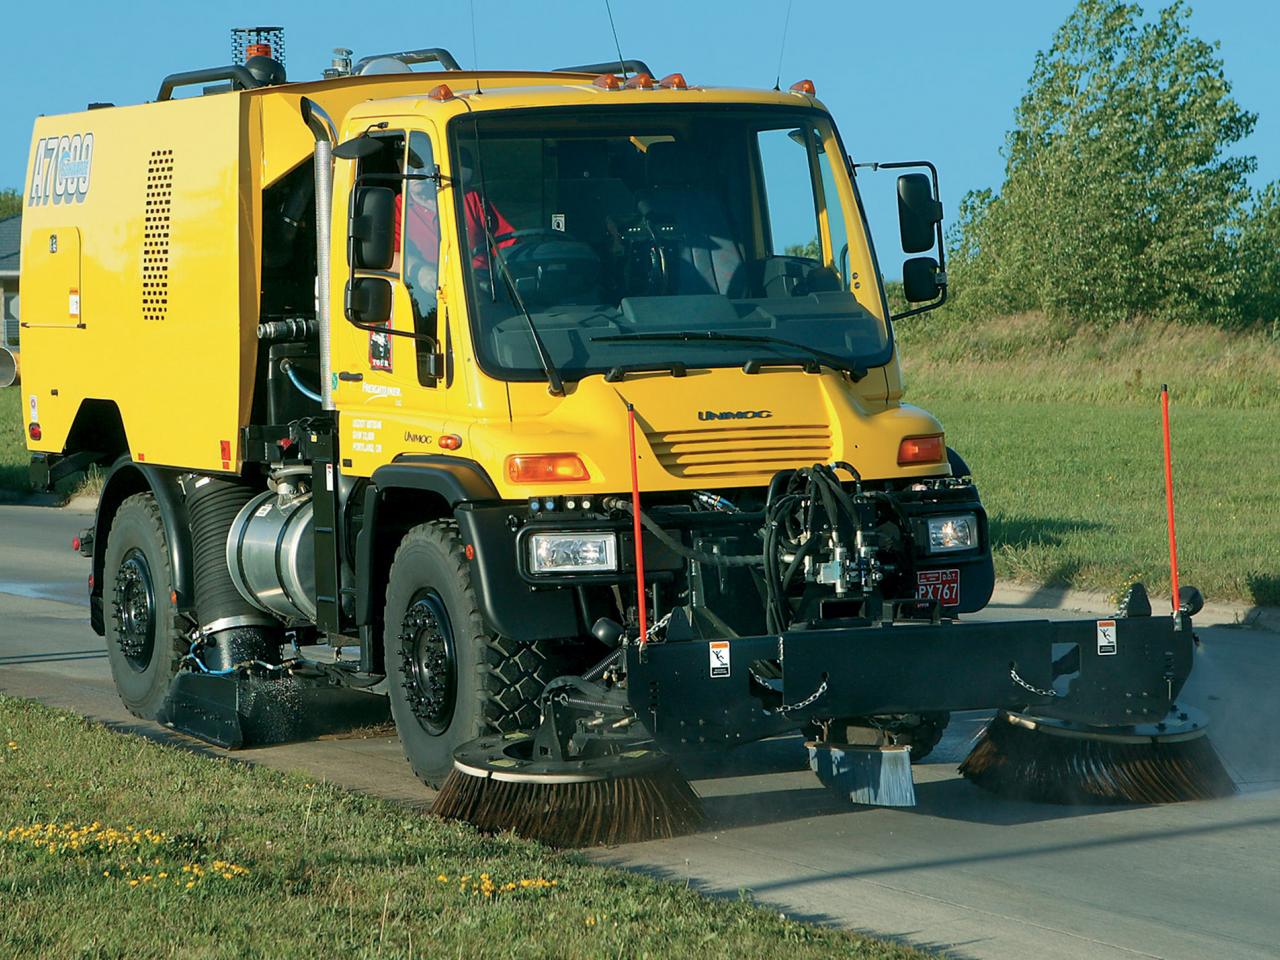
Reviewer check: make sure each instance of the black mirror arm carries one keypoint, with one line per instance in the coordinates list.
(942, 249)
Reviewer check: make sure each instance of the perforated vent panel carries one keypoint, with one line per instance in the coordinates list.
(155, 236)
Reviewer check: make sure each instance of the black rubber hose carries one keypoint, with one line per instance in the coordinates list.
(240, 630)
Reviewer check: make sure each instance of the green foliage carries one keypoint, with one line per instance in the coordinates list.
(10, 203)
(1120, 198)
(811, 249)
(1259, 263)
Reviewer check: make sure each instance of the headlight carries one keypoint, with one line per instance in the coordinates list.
(573, 552)
(947, 534)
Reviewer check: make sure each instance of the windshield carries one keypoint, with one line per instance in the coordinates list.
(615, 229)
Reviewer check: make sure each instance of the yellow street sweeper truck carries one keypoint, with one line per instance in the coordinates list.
(561, 408)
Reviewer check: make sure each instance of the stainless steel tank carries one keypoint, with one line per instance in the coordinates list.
(271, 555)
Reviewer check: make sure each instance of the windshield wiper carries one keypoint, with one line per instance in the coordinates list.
(831, 360)
(553, 376)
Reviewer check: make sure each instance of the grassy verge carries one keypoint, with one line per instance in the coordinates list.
(1062, 431)
(116, 846)
(13, 447)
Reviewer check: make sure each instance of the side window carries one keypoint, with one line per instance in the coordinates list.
(421, 230)
(382, 169)
(790, 216)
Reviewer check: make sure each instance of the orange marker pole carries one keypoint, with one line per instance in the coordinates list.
(1168, 495)
(635, 526)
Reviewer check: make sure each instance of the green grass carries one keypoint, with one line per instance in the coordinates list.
(1062, 431)
(14, 458)
(313, 871)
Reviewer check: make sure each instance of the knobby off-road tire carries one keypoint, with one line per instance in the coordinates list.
(448, 678)
(144, 644)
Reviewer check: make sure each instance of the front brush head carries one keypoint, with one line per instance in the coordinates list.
(621, 798)
(1048, 761)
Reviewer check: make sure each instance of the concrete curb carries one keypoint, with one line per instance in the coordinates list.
(1057, 598)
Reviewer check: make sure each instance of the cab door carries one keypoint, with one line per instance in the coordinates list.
(390, 374)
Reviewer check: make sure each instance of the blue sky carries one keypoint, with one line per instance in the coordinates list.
(932, 79)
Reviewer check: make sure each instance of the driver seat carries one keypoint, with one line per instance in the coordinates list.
(708, 258)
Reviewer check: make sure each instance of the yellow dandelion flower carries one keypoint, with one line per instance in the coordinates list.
(443, 878)
(133, 883)
(190, 884)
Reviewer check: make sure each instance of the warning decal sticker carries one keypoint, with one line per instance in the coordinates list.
(718, 652)
(1106, 638)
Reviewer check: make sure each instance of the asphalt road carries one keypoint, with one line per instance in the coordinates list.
(963, 871)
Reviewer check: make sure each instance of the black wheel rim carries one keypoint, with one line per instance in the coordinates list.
(135, 610)
(430, 668)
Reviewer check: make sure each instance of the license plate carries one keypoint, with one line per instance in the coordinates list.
(940, 585)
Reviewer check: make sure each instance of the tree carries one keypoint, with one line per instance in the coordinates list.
(1258, 259)
(10, 203)
(1119, 197)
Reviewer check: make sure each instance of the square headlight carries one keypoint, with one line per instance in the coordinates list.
(573, 552)
(948, 534)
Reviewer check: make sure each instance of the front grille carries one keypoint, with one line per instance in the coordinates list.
(741, 451)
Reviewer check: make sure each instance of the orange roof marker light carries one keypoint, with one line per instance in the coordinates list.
(441, 93)
(804, 86)
(546, 468)
(673, 81)
(641, 81)
(607, 81)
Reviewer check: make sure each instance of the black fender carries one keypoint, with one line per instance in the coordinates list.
(453, 487)
(124, 479)
(958, 467)
(442, 482)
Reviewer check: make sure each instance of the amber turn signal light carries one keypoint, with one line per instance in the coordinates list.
(929, 449)
(674, 81)
(608, 81)
(805, 87)
(546, 468)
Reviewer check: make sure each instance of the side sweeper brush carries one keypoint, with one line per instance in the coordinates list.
(1057, 761)
(496, 784)
(589, 774)
(1054, 761)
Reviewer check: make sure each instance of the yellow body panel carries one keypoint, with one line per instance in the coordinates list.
(167, 272)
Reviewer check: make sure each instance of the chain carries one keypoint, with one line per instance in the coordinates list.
(789, 707)
(655, 627)
(1013, 675)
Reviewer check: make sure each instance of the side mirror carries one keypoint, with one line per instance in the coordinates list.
(370, 237)
(920, 279)
(369, 300)
(918, 213)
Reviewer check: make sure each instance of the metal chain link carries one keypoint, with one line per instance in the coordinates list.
(1013, 675)
(788, 708)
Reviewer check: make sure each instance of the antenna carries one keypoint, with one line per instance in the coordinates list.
(475, 57)
(616, 45)
(782, 48)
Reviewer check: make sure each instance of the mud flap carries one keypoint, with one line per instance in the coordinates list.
(207, 708)
(248, 710)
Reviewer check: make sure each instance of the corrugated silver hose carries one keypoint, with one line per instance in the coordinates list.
(322, 128)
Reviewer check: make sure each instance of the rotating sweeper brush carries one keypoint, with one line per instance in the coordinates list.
(1049, 760)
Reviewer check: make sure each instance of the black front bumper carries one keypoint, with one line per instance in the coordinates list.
(1100, 672)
